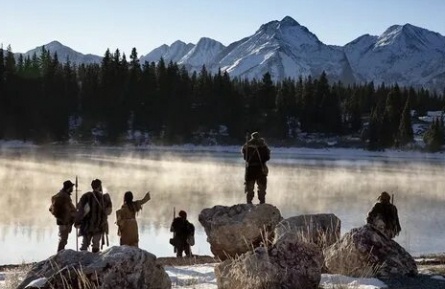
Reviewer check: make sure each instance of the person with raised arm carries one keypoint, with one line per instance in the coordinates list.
(126, 219)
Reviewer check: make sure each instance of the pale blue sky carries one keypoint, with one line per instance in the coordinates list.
(92, 26)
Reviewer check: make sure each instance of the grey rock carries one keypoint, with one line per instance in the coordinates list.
(289, 263)
(117, 268)
(366, 252)
(234, 230)
(320, 229)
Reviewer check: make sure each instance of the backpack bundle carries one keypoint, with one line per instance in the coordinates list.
(57, 206)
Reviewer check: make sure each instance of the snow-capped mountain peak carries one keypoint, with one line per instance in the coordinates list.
(403, 54)
(172, 53)
(204, 53)
(410, 36)
(288, 30)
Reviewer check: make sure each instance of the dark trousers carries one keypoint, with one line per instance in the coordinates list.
(64, 231)
(91, 238)
(183, 246)
(254, 175)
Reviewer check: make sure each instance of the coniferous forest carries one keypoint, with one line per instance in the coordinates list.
(44, 99)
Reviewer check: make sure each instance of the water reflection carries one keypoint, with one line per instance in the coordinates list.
(299, 182)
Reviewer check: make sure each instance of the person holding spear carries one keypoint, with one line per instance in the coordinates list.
(92, 217)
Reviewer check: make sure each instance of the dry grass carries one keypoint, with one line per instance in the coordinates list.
(15, 275)
(66, 278)
(437, 269)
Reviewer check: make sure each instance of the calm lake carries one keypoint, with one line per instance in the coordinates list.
(301, 181)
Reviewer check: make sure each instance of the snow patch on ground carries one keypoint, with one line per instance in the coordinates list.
(194, 276)
(329, 281)
(438, 277)
(203, 277)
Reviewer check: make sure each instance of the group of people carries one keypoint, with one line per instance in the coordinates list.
(383, 216)
(90, 217)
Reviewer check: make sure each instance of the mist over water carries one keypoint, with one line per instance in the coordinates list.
(300, 182)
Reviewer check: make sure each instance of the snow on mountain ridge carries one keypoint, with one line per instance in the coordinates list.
(411, 36)
(403, 54)
(284, 49)
(203, 53)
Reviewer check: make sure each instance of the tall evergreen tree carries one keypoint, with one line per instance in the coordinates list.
(354, 112)
(434, 136)
(406, 134)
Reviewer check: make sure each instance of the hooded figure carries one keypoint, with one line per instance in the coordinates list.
(384, 217)
(256, 153)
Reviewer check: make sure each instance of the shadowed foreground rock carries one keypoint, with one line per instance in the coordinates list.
(366, 252)
(320, 229)
(115, 268)
(289, 263)
(232, 231)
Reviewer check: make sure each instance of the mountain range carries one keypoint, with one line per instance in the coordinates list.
(403, 54)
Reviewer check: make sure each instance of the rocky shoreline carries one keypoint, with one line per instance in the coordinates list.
(432, 265)
(164, 261)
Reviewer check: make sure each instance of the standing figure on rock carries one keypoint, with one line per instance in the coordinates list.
(256, 153)
(383, 216)
(126, 219)
(93, 210)
(63, 209)
(183, 235)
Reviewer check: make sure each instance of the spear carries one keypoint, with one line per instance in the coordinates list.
(174, 233)
(77, 230)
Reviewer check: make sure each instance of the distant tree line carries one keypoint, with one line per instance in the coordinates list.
(43, 99)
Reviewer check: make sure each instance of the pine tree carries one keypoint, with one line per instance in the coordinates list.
(374, 131)
(2, 95)
(267, 93)
(406, 134)
(434, 136)
(2, 68)
(353, 112)
(391, 117)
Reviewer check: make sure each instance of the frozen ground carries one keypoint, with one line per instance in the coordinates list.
(202, 277)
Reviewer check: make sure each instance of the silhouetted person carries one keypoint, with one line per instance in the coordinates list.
(63, 209)
(383, 216)
(256, 153)
(93, 210)
(126, 219)
(182, 230)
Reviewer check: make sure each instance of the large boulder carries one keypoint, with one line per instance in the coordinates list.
(289, 263)
(366, 252)
(114, 268)
(320, 229)
(232, 231)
